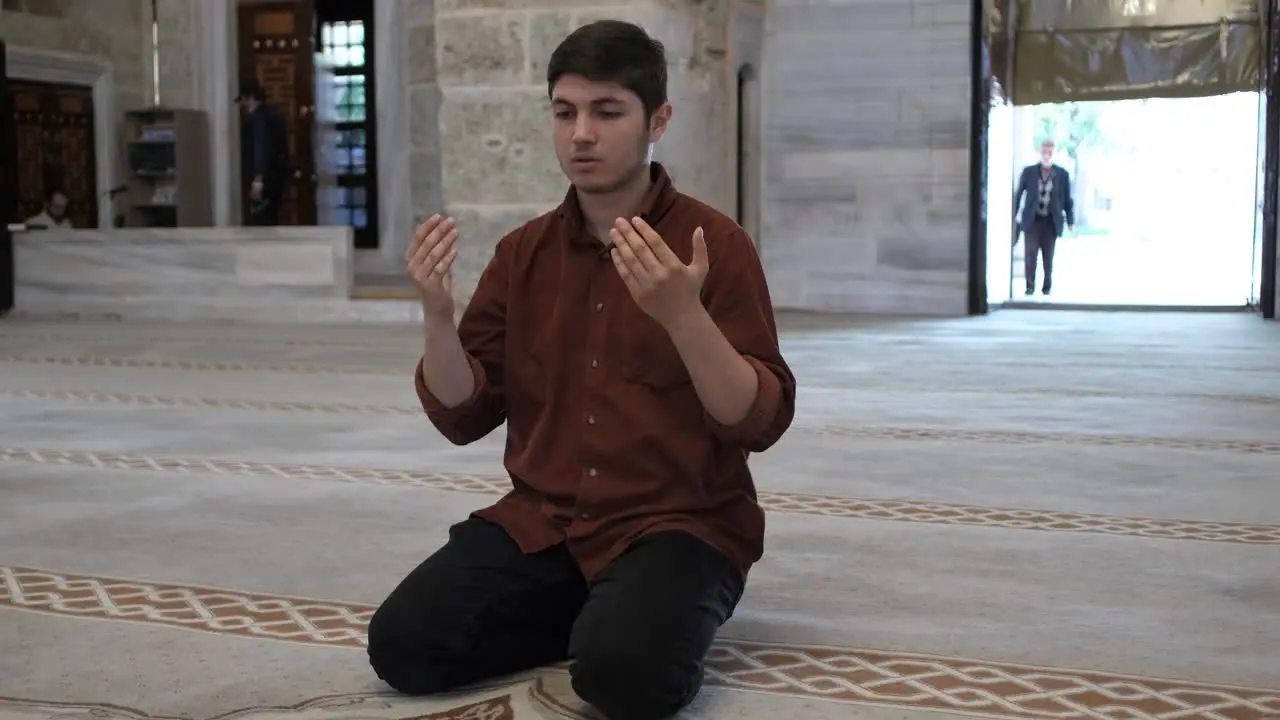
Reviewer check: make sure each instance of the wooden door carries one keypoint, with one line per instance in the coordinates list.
(55, 148)
(8, 189)
(277, 47)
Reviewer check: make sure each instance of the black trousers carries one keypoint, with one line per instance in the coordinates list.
(266, 212)
(1042, 236)
(479, 608)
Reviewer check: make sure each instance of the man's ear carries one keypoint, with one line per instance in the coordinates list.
(659, 122)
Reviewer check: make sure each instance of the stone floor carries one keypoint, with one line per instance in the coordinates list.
(1029, 515)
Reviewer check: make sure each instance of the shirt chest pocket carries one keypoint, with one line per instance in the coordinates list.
(649, 357)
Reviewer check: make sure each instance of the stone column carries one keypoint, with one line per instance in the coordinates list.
(404, 67)
(425, 196)
(179, 49)
(198, 71)
(498, 165)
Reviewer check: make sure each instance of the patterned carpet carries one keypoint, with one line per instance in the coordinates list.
(1031, 515)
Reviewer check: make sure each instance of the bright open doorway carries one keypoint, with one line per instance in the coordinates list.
(1166, 201)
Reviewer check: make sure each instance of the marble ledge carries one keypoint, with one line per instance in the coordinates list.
(196, 273)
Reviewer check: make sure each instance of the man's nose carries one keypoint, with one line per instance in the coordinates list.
(584, 132)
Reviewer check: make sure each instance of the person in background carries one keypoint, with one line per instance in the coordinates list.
(264, 155)
(1048, 208)
(54, 215)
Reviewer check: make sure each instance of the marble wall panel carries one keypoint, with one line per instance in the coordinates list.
(209, 273)
(866, 155)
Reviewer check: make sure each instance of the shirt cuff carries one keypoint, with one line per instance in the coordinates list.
(437, 409)
(751, 428)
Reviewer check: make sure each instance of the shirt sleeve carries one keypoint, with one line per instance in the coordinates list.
(736, 296)
(482, 331)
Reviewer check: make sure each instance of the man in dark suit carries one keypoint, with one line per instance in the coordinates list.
(264, 155)
(1048, 208)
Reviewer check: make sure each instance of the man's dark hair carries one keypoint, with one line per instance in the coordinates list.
(614, 51)
(54, 191)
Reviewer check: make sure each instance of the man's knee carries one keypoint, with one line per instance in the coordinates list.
(403, 653)
(629, 684)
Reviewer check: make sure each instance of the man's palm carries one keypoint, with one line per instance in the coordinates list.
(429, 260)
(660, 283)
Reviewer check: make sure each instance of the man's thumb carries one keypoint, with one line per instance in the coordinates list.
(699, 250)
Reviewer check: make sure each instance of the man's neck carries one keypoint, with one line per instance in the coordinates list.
(601, 210)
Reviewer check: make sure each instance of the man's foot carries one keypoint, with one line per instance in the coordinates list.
(1045, 292)
(1030, 292)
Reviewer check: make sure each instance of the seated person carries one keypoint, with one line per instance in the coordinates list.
(628, 340)
(54, 215)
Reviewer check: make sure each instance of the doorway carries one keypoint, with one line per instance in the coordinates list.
(1163, 196)
(54, 124)
(1173, 175)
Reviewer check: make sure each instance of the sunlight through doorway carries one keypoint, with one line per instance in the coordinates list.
(1165, 201)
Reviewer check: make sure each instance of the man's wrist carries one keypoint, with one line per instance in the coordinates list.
(691, 321)
(434, 322)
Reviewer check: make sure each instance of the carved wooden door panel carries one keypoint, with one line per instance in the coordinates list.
(277, 46)
(55, 148)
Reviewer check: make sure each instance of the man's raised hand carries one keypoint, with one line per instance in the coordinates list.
(428, 260)
(663, 286)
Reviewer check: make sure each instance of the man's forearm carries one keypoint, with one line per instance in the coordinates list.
(725, 382)
(445, 368)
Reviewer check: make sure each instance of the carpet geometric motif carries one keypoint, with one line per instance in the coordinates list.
(910, 680)
(799, 503)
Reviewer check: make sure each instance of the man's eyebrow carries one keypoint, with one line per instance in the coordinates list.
(609, 100)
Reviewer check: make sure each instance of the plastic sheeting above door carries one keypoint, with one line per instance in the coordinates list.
(1052, 51)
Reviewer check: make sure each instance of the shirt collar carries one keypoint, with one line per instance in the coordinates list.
(662, 194)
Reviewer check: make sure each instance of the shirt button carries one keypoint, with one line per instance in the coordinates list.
(591, 472)
(585, 516)
(591, 419)
(595, 363)
(599, 307)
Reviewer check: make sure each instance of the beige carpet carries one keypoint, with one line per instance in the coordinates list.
(1031, 515)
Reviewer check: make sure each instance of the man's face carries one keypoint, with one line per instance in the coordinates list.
(1046, 154)
(601, 133)
(58, 206)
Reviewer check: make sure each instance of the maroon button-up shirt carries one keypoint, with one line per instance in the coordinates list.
(607, 440)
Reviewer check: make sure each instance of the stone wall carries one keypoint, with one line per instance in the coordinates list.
(425, 191)
(179, 44)
(116, 31)
(499, 166)
(867, 155)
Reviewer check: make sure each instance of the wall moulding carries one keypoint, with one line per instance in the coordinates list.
(89, 71)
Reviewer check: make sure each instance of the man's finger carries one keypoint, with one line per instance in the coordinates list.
(433, 259)
(661, 250)
(623, 248)
(638, 247)
(627, 255)
(443, 267)
(432, 239)
(628, 278)
(421, 234)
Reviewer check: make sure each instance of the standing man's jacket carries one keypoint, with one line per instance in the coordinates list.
(1061, 206)
(265, 149)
